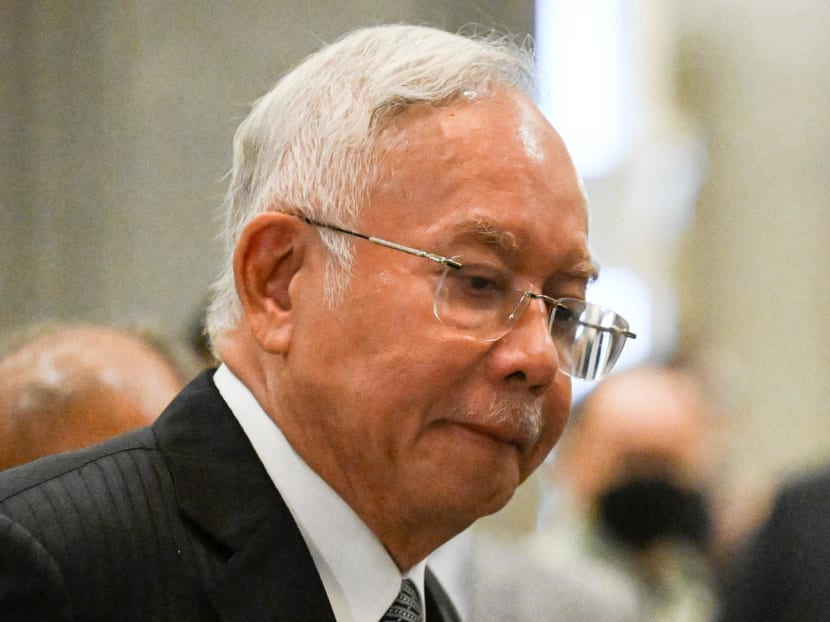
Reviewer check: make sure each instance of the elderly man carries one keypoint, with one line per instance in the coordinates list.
(402, 304)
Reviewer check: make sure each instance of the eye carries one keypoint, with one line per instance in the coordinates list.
(482, 280)
(478, 282)
(566, 316)
(480, 287)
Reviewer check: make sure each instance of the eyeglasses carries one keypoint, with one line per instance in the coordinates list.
(486, 301)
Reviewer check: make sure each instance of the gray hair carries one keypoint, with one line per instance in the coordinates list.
(310, 146)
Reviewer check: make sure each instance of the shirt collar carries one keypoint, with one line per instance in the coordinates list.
(360, 578)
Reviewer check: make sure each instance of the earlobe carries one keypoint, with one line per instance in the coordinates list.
(268, 256)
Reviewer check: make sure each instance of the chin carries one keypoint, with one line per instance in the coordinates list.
(496, 502)
(471, 474)
(484, 492)
(472, 509)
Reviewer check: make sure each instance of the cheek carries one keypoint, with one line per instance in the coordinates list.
(394, 308)
(418, 376)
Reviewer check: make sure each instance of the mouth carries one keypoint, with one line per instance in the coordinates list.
(499, 434)
(506, 423)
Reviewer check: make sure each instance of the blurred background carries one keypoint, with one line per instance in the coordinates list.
(702, 130)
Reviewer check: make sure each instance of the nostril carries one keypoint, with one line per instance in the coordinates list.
(518, 375)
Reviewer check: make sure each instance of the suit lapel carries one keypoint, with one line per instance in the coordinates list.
(223, 488)
(272, 578)
(439, 607)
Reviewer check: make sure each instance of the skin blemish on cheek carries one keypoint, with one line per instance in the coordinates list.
(385, 277)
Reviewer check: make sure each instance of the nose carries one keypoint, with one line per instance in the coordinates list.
(526, 357)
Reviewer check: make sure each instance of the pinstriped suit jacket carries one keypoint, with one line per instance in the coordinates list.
(178, 521)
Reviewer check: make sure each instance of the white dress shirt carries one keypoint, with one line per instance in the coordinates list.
(360, 578)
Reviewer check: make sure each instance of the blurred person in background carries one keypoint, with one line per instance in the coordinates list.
(67, 386)
(783, 573)
(627, 496)
(492, 579)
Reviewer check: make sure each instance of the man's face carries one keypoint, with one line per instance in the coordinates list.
(406, 417)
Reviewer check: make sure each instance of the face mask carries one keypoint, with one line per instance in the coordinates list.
(639, 511)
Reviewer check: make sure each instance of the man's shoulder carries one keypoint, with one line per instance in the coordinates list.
(812, 489)
(73, 469)
(798, 519)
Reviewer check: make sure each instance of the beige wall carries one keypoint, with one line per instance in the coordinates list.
(116, 126)
(754, 270)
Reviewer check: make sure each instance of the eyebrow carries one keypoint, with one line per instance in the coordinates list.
(483, 232)
(585, 270)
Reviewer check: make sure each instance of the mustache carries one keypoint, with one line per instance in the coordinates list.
(522, 417)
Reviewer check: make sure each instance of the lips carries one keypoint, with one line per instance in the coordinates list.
(507, 420)
(513, 435)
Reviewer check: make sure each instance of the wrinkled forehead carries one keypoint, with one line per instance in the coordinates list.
(490, 169)
(498, 131)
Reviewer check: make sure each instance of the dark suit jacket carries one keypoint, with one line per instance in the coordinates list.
(784, 574)
(178, 521)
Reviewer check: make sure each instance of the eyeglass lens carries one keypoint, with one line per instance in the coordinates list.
(484, 301)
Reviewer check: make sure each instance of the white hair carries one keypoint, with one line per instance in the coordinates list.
(309, 146)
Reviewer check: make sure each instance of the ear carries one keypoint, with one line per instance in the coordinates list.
(268, 256)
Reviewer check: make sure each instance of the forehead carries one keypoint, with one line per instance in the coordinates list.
(489, 171)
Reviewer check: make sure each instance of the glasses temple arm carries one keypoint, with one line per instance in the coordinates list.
(447, 261)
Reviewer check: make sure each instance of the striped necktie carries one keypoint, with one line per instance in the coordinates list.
(407, 606)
